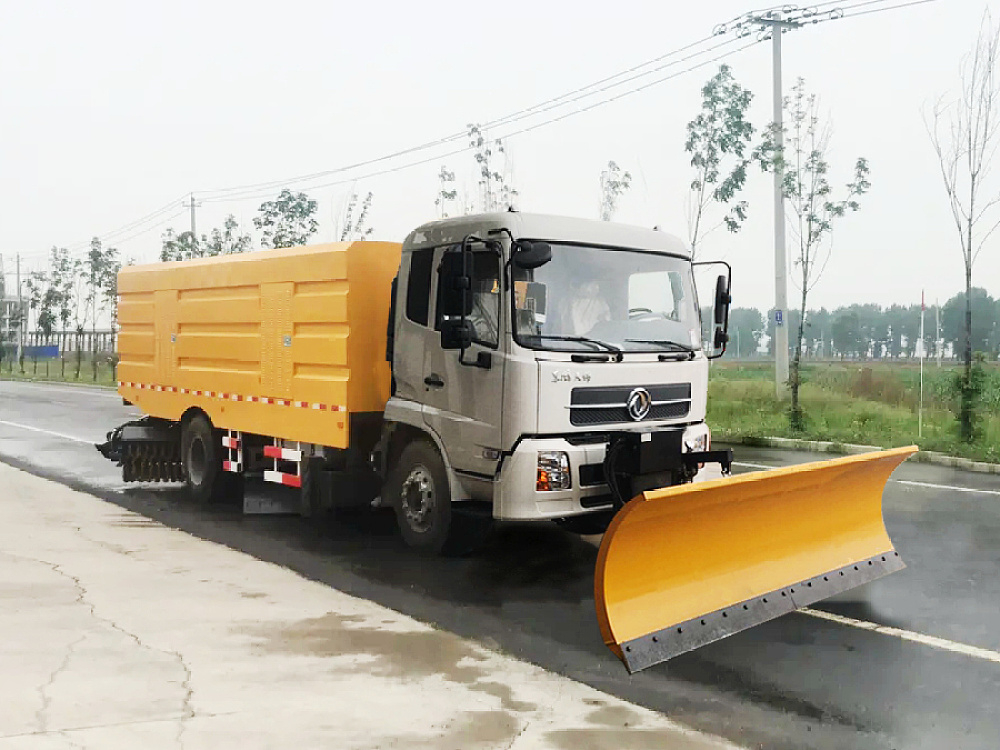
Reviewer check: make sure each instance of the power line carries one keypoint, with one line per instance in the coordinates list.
(521, 114)
(526, 129)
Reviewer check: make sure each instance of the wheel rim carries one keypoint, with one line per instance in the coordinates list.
(417, 498)
(197, 461)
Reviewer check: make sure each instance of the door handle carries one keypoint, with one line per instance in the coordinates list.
(434, 381)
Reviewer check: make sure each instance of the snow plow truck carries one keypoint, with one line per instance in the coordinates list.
(504, 366)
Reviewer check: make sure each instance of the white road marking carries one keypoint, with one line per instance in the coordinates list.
(907, 635)
(944, 487)
(47, 432)
(911, 483)
(763, 467)
(82, 388)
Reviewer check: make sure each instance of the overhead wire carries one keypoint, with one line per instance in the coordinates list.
(512, 117)
(510, 134)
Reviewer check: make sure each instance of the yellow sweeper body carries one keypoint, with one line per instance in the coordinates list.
(687, 565)
(286, 343)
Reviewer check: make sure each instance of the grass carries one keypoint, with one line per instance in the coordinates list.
(54, 370)
(854, 402)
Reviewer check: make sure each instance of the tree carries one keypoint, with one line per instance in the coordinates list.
(101, 268)
(807, 191)
(746, 329)
(355, 223)
(446, 191)
(497, 192)
(228, 239)
(717, 140)
(614, 184)
(287, 221)
(965, 136)
(983, 318)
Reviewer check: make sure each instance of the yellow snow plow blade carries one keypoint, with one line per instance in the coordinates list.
(684, 566)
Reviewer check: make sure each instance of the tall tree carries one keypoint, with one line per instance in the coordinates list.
(287, 221)
(718, 140)
(493, 162)
(355, 223)
(447, 192)
(614, 184)
(100, 267)
(809, 195)
(964, 132)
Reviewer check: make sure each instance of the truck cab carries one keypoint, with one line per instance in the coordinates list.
(524, 346)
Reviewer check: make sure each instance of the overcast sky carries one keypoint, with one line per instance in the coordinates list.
(113, 110)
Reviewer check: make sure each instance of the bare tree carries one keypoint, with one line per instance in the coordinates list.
(354, 225)
(614, 184)
(807, 191)
(446, 192)
(495, 181)
(964, 133)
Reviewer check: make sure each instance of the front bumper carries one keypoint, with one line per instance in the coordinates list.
(515, 496)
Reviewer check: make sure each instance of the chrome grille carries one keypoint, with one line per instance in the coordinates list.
(607, 405)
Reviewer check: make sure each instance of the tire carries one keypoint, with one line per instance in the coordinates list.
(419, 493)
(201, 456)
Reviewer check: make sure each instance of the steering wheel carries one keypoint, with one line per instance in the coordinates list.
(639, 312)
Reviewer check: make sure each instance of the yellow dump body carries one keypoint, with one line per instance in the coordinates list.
(287, 343)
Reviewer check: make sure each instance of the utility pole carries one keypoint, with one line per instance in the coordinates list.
(775, 23)
(194, 235)
(777, 27)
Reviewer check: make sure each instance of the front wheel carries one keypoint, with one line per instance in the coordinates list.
(421, 497)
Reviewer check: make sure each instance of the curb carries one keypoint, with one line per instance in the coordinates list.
(819, 446)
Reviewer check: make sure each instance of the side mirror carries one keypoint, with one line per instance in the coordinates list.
(453, 287)
(456, 333)
(722, 300)
(529, 255)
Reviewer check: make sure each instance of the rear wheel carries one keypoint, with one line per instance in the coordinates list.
(421, 497)
(201, 455)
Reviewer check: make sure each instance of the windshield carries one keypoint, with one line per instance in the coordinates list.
(589, 299)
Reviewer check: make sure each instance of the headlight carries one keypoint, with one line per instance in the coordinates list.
(553, 471)
(697, 438)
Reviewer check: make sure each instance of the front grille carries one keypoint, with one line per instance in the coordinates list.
(607, 405)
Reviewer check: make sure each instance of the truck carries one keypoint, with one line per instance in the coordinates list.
(493, 367)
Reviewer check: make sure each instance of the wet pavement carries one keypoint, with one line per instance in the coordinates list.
(796, 682)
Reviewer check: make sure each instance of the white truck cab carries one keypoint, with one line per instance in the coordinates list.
(522, 347)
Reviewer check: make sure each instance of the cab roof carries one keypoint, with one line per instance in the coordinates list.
(548, 228)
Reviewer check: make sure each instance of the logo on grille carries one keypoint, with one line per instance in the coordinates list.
(638, 404)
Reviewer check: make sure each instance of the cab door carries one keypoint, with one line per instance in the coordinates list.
(463, 402)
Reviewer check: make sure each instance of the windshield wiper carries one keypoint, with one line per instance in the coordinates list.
(581, 340)
(674, 346)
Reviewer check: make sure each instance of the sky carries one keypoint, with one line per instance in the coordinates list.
(114, 112)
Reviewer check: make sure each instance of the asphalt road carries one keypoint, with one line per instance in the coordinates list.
(796, 682)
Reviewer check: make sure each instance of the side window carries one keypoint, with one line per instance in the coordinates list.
(485, 315)
(485, 309)
(418, 286)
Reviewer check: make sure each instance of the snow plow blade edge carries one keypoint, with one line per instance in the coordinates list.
(683, 566)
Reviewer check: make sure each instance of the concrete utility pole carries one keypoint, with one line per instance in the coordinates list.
(777, 27)
(192, 205)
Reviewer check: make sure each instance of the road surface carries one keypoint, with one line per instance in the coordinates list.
(913, 663)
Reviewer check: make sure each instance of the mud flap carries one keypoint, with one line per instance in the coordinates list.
(683, 566)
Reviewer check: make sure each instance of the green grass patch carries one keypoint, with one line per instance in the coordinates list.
(61, 371)
(870, 404)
